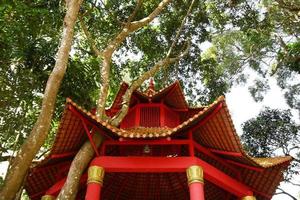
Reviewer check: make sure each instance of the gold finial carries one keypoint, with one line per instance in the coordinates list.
(249, 198)
(194, 174)
(48, 197)
(95, 174)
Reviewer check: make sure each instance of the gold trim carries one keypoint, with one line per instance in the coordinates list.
(48, 197)
(248, 198)
(95, 174)
(194, 174)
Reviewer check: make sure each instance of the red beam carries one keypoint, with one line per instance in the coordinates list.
(245, 166)
(55, 189)
(180, 109)
(162, 115)
(191, 144)
(63, 155)
(227, 153)
(149, 142)
(88, 133)
(172, 164)
(80, 116)
(137, 116)
(213, 156)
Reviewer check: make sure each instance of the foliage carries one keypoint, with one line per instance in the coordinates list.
(28, 40)
(259, 34)
(272, 133)
(262, 35)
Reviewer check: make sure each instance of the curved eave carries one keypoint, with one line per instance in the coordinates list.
(172, 95)
(203, 118)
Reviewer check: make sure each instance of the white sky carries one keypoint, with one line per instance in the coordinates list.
(242, 107)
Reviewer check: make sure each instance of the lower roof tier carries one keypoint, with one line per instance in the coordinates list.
(212, 128)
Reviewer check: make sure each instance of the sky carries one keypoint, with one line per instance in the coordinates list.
(242, 108)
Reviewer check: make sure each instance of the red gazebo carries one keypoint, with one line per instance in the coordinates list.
(163, 149)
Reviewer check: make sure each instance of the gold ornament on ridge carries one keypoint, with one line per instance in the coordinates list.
(47, 197)
(249, 198)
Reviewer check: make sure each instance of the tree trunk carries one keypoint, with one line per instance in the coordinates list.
(79, 164)
(86, 153)
(36, 139)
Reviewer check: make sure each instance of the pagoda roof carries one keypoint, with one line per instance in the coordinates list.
(172, 96)
(212, 127)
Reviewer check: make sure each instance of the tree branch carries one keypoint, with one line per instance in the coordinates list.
(112, 46)
(96, 51)
(138, 24)
(137, 83)
(136, 9)
(180, 29)
(284, 192)
(290, 7)
(86, 153)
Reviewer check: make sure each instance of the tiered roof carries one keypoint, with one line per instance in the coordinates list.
(212, 128)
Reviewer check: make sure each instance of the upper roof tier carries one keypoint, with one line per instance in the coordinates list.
(172, 96)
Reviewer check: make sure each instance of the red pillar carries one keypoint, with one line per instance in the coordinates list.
(195, 180)
(94, 183)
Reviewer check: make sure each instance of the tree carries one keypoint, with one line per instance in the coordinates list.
(273, 132)
(107, 54)
(260, 35)
(243, 36)
(35, 140)
(83, 157)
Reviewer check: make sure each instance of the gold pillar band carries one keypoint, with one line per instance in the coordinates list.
(48, 197)
(95, 174)
(194, 174)
(249, 198)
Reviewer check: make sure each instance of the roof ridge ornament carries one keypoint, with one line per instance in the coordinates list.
(151, 89)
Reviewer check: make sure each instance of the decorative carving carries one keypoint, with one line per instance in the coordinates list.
(249, 198)
(95, 175)
(194, 174)
(48, 197)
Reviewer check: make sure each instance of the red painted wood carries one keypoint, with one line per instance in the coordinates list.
(213, 156)
(227, 153)
(138, 115)
(150, 115)
(171, 117)
(87, 131)
(63, 155)
(180, 109)
(162, 115)
(55, 189)
(258, 169)
(196, 191)
(93, 191)
(80, 116)
(206, 118)
(172, 164)
(149, 142)
(191, 144)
